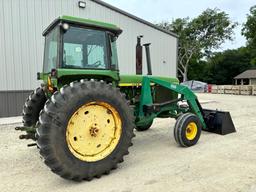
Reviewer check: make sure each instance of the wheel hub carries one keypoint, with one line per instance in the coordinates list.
(191, 131)
(93, 131)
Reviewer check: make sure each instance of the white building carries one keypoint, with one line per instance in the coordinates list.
(21, 43)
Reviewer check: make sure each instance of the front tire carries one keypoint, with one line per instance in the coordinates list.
(85, 130)
(187, 130)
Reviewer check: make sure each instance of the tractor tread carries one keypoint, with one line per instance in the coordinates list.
(53, 120)
(32, 107)
(175, 131)
(144, 127)
(180, 126)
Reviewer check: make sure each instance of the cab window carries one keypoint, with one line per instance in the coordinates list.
(84, 48)
(51, 50)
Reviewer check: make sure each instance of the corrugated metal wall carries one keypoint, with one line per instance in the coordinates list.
(21, 41)
(11, 102)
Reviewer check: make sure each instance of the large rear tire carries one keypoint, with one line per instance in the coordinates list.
(85, 130)
(32, 107)
(144, 127)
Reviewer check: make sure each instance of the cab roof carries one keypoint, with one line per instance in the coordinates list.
(83, 22)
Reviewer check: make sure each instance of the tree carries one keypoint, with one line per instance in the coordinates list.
(197, 69)
(249, 31)
(197, 37)
(224, 66)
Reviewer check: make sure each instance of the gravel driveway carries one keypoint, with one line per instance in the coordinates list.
(155, 163)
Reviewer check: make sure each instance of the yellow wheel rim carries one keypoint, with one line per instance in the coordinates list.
(191, 131)
(93, 131)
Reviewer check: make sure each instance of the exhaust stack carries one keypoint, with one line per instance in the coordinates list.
(148, 58)
(139, 56)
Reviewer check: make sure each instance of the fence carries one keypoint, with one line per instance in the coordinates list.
(234, 89)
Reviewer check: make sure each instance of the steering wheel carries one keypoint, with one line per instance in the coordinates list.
(96, 64)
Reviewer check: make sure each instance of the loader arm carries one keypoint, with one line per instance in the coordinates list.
(215, 121)
(186, 94)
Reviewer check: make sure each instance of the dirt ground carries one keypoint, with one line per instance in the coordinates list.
(155, 162)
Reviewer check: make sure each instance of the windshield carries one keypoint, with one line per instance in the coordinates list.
(85, 48)
(51, 50)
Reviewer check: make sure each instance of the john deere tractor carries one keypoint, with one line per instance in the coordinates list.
(84, 114)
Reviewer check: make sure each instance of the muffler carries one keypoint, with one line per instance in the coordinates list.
(139, 52)
(148, 58)
(219, 122)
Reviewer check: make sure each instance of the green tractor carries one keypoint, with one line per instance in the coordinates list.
(84, 114)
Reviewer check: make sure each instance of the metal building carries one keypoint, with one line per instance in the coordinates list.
(21, 43)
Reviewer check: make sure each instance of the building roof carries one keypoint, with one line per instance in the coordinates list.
(82, 21)
(134, 17)
(248, 74)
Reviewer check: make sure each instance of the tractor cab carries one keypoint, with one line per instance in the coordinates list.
(77, 47)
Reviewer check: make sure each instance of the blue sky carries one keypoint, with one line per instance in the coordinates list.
(159, 10)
